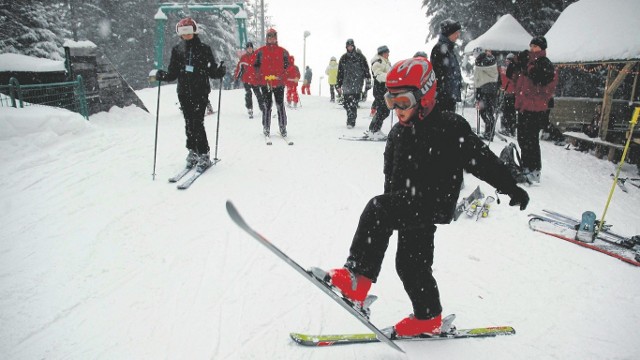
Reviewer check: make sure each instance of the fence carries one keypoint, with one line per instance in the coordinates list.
(68, 95)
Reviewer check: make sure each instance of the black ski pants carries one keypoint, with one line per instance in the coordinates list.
(193, 109)
(382, 112)
(487, 110)
(414, 257)
(529, 126)
(509, 114)
(248, 97)
(350, 103)
(268, 94)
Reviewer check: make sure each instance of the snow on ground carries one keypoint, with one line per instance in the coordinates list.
(99, 261)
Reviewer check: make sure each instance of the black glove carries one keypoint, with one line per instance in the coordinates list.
(519, 197)
(220, 72)
(158, 76)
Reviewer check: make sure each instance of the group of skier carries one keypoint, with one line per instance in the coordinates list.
(428, 136)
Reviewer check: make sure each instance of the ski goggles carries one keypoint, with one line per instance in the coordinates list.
(185, 30)
(403, 100)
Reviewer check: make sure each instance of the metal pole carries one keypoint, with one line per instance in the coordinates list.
(155, 147)
(215, 155)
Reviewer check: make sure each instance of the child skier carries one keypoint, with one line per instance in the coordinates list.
(424, 160)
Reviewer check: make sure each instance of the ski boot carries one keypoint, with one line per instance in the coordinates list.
(412, 327)
(475, 205)
(203, 162)
(192, 159)
(353, 287)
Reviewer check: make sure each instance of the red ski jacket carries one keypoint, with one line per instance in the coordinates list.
(245, 70)
(271, 61)
(536, 83)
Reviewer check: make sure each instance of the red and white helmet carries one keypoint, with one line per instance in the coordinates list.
(186, 26)
(418, 80)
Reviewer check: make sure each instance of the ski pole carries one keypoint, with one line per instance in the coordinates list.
(632, 124)
(155, 147)
(215, 156)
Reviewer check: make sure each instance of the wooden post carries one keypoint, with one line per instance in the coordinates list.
(610, 88)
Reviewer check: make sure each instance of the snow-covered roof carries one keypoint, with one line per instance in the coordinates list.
(505, 35)
(595, 31)
(79, 44)
(17, 62)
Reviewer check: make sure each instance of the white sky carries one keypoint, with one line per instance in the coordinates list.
(400, 24)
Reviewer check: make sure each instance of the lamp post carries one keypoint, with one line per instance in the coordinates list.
(304, 50)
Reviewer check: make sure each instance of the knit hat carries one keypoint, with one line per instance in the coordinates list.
(383, 49)
(540, 41)
(249, 44)
(448, 27)
(421, 54)
(333, 58)
(350, 42)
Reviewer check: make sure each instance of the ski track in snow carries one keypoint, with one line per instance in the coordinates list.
(99, 261)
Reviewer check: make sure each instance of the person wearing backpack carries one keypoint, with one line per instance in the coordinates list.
(536, 81)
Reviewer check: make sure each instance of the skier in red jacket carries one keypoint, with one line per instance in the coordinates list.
(247, 74)
(271, 64)
(293, 75)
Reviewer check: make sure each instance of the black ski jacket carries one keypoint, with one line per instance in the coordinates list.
(447, 69)
(425, 162)
(192, 82)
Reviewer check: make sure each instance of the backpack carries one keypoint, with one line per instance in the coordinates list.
(510, 156)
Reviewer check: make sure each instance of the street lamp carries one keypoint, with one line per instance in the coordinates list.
(304, 51)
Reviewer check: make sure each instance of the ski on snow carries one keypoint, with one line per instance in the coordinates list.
(362, 138)
(187, 183)
(180, 175)
(309, 275)
(566, 228)
(268, 141)
(345, 339)
(387, 335)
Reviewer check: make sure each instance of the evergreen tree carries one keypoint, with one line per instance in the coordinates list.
(477, 16)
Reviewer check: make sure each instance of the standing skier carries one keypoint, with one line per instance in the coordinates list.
(246, 73)
(192, 64)
(424, 158)
(353, 71)
(446, 65)
(380, 66)
(271, 63)
(293, 76)
(332, 77)
(306, 86)
(507, 86)
(485, 80)
(536, 81)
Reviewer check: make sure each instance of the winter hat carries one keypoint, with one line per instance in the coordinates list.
(510, 56)
(383, 49)
(448, 27)
(420, 54)
(249, 44)
(540, 41)
(272, 32)
(350, 42)
(333, 58)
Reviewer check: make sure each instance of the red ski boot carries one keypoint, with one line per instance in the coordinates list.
(352, 286)
(410, 326)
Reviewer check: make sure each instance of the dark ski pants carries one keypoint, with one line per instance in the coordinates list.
(269, 94)
(332, 91)
(193, 110)
(529, 126)
(414, 256)
(248, 98)
(447, 105)
(487, 110)
(382, 112)
(350, 103)
(509, 114)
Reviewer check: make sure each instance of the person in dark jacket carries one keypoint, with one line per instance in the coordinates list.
(507, 88)
(353, 71)
(536, 81)
(485, 80)
(446, 65)
(424, 159)
(192, 64)
(306, 84)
